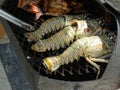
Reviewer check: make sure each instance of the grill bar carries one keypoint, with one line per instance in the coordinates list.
(16, 21)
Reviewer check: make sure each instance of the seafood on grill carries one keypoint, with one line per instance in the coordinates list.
(91, 48)
(53, 24)
(63, 38)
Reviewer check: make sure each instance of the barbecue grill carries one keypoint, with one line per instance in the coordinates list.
(29, 73)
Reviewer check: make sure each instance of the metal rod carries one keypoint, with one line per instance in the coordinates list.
(106, 56)
(16, 21)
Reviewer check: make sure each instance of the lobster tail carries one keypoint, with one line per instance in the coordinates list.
(54, 24)
(80, 48)
(51, 63)
(58, 40)
(69, 55)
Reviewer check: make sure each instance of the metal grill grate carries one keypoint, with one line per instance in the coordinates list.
(76, 71)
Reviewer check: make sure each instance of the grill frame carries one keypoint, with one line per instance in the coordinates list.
(43, 82)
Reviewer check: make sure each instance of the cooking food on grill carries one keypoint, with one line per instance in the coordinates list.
(79, 68)
(62, 7)
(64, 37)
(78, 30)
(50, 7)
(91, 48)
(57, 7)
(54, 24)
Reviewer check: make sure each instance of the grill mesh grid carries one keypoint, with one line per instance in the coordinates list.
(76, 71)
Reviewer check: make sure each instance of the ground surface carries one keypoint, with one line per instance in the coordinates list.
(4, 83)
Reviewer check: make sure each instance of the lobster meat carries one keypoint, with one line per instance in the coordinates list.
(91, 48)
(53, 24)
(63, 38)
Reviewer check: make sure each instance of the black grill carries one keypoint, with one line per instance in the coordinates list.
(76, 71)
